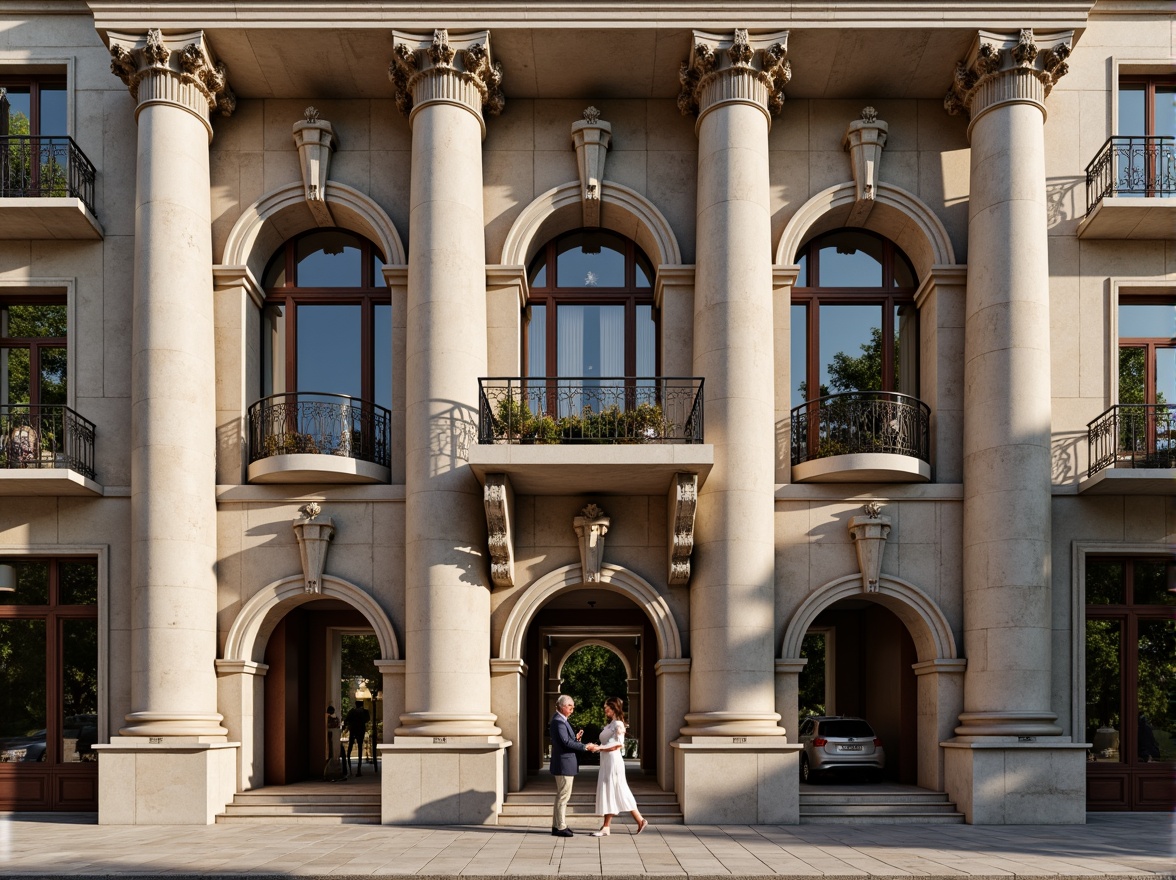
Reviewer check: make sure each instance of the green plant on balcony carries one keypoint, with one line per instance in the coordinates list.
(293, 443)
(645, 423)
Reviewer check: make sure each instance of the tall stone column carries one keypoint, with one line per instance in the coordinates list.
(1006, 439)
(177, 85)
(734, 83)
(445, 84)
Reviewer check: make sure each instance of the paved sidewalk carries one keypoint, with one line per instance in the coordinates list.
(1110, 845)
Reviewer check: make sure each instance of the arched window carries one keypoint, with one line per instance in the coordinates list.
(854, 321)
(327, 320)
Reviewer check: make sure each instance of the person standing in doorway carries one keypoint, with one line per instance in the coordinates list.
(564, 764)
(356, 723)
(612, 789)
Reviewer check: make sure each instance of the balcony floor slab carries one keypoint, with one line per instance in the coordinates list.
(316, 468)
(1127, 217)
(46, 482)
(63, 219)
(569, 469)
(1130, 481)
(866, 467)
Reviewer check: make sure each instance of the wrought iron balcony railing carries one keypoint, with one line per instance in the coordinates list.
(32, 166)
(860, 422)
(319, 424)
(1132, 166)
(1133, 435)
(589, 410)
(45, 436)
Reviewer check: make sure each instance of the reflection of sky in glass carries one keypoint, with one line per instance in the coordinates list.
(861, 268)
(1147, 322)
(845, 329)
(537, 342)
(574, 268)
(540, 279)
(1166, 111)
(1166, 374)
(329, 350)
(317, 268)
(53, 120)
(799, 354)
(646, 342)
(1131, 100)
(383, 356)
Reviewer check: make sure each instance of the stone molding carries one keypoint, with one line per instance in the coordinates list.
(591, 526)
(864, 140)
(738, 69)
(314, 540)
(448, 70)
(1005, 67)
(178, 69)
(316, 141)
(683, 499)
(869, 533)
(498, 498)
(591, 137)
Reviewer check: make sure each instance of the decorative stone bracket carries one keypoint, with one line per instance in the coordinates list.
(591, 526)
(864, 140)
(314, 539)
(683, 499)
(498, 497)
(315, 139)
(869, 536)
(591, 136)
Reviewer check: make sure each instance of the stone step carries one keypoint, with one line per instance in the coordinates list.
(341, 808)
(258, 799)
(887, 798)
(306, 819)
(874, 809)
(885, 819)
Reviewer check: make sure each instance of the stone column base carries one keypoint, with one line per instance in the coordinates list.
(722, 781)
(141, 782)
(442, 780)
(1002, 781)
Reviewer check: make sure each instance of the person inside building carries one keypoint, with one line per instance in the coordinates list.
(356, 723)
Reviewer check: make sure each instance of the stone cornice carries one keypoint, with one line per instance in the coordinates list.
(442, 69)
(738, 68)
(1008, 67)
(177, 69)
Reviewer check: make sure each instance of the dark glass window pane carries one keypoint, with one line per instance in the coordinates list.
(1156, 710)
(382, 363)
(1104, 583)
(644, 274)
(1165, 111)
(79, 690)
(329, 349)
(812, 676)
(799, 356)
(1131, 105)
(35, 321)
(904, 276)
(53, 118)
(646, 342)
(854, 727)
(590, 259)
(802, 277)
(79, 583)
(329, 259)
(377, 270)
(851, 348)
(591, 341)
(906, 349)
(1103, 689)
(275, 274)
(1153, 583)
(539, 278)
(53, 391)
(19, 110)
(850, 259)
(32, 584)
(273, 343)
(537, 342)
(14, 371)
(1147, 321)
(22, 690)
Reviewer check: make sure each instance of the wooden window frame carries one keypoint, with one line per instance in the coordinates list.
(34, 344)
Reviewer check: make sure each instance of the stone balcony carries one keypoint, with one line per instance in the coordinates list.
(46, 450)
(46, 190)
(1132, 448)
(1131, 190)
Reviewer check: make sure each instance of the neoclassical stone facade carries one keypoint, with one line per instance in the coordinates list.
(808, 362)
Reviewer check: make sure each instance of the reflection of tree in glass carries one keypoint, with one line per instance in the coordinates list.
(360, 653)
(79, 673)
(861, 373)
(37, 322)
(1157, 681)
(812, 678)
(1102, 674)
(34, 166)
(22, 677)
(590, 676)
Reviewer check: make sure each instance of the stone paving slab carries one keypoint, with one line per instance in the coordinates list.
(1111, 846)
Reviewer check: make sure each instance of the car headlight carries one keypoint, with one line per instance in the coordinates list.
(14, 754)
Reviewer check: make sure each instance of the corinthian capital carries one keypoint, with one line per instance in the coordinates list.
(1008, 66)
(735, 68)
(177, 69)
(440, 67)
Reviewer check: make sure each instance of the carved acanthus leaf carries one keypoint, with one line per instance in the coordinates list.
(190, 62)
(1025, 52)
(712, 56)
(496, 499)
(997, 54)
(683, 504)
(413, 59)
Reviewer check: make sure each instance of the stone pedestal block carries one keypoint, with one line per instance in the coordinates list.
(442, 780)
(1017, 783)
(721, 781)
(146, 783)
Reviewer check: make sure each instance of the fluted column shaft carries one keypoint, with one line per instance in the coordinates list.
(442, 85)
(731, 83)
(1006, 540)
(173, 445)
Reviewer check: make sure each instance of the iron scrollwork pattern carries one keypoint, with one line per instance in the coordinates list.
(1133, 435)
(32, 166)
(319, 424)
(861, 422)
(1132, 166)
(46, 436)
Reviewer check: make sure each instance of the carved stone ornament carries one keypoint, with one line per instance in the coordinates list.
(315, 139)
(591, 526)
(147, 62)
(1004, 67)
(591, 136)
(445, 68)
(864, 140)
(869, 537)
(683, 504)
(498, 497)
(739, 68)
(314, 539)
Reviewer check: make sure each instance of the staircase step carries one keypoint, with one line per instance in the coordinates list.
(324, 799)
(885, 819)
(874, 809)
(886, 798)
(322, 818)
(236, 809)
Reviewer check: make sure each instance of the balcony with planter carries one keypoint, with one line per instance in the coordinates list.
(1132, 450)
(862, 437)
(46, 189)
(569, 436)
(46, 450)
(1131, 189)
(313, 437)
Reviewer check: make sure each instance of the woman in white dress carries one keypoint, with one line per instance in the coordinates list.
(612, 791)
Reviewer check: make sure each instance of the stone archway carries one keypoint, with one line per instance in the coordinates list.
(240, 674)
(509, 669)
(939, 669)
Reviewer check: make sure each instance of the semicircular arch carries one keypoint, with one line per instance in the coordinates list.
(622, 210)
(282, 213)
(897, 214)
(599, 643)
(924, 620)
(257, 618)
(614, 579)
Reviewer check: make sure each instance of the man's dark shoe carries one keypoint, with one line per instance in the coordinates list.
(563, 832)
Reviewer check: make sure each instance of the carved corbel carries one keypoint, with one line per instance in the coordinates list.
(683, 504)
(591, 526)
(864, 140)
(591, 136)
(498, 497)
(314, 539)
(869, 537)
(315, 139)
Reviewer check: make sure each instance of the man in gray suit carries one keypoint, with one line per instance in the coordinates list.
(564, 765)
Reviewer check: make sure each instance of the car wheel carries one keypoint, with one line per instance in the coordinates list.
(806, 773)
